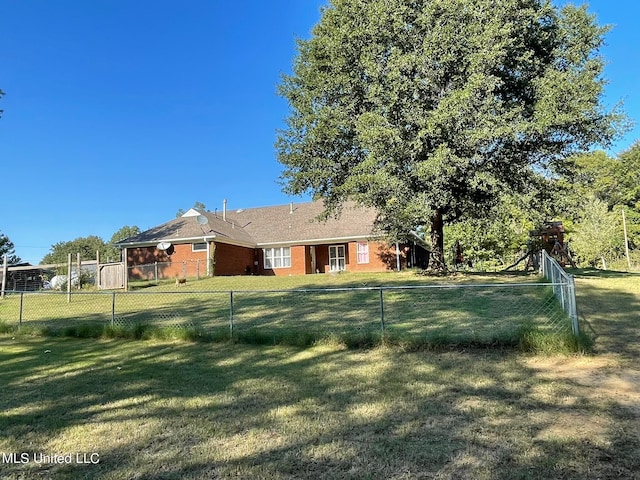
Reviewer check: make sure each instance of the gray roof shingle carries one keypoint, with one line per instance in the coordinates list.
(184, 229)
(298, 223)
(281, 224)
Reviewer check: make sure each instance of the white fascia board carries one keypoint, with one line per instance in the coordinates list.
(320, 241)
(237, 243)
(173, 241)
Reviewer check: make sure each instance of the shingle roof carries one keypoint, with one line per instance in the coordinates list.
(281, 224)
(188, 229)
(299, 223)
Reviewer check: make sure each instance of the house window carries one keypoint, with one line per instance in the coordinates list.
(278, 257)
(337, 259)
(199, 247)
(363, 252)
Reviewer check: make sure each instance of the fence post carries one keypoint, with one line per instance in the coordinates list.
(382, 310)
(79, 266)
(69, 278)
(5, 264)
(562, 300)
(573, 311)
(113, 308)
(21, 303)
(155, 269)
(231, 314)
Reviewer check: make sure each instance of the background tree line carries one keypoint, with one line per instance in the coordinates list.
(88, 246)
(85, 246)
(588, 198)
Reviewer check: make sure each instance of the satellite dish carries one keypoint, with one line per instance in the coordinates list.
(163, 246)
(202, 220)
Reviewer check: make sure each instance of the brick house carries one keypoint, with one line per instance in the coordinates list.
(275, 240)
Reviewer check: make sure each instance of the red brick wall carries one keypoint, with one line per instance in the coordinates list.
(183, 262)
(299, 254)
(299, 261)
(382, 257)
(144, 255)
(376, 262)
(234, 260)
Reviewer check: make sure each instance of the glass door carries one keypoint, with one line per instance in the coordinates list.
(337, 258)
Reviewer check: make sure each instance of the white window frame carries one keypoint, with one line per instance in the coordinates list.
(337, 262)
(362, 248)
(202, 247)
(277, 257)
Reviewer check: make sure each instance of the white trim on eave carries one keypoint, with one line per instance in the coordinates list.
(173, 241)
(185, 240)
(320, 241)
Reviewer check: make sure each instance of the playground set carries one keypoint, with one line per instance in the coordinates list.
(549, 237)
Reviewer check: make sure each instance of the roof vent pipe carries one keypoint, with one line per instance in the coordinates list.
(224, 210)
(290, 207)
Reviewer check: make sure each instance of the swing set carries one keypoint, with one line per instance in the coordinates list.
(549, 237)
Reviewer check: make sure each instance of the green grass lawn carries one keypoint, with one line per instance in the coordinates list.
(175, 409)
(305, 309)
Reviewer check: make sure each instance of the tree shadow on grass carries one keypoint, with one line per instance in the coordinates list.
(217, 411)
(597, 273)
(611, 316)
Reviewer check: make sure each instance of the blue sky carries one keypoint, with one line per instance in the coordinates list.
(120, 112)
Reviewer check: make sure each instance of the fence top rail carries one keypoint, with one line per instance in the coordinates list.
(301, 290)
(562, 273)
(48, 266)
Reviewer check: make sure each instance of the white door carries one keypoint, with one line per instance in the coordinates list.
(336, 258)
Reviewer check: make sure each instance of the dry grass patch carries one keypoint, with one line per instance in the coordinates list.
(180, 410)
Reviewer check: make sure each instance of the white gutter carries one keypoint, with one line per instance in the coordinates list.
(170, 240)
(316, 241)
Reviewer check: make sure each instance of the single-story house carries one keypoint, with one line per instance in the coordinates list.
(275, 240)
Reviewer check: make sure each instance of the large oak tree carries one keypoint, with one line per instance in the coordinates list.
(429, 110)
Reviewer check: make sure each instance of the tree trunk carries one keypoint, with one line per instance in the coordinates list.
(437, 243)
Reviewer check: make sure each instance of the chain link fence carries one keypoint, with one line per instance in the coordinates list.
(564, 288)
(158, 271)
(463, 313)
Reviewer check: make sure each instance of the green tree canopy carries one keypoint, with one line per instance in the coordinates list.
(589, 174)
(627, 178)
(85, 246)
(614, 181)
(124, 233)
(429, 110)
(7, 248)
(598, 234)
(113, 253)
(88, 246)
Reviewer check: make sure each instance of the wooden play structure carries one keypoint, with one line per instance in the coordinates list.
(549, 237)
